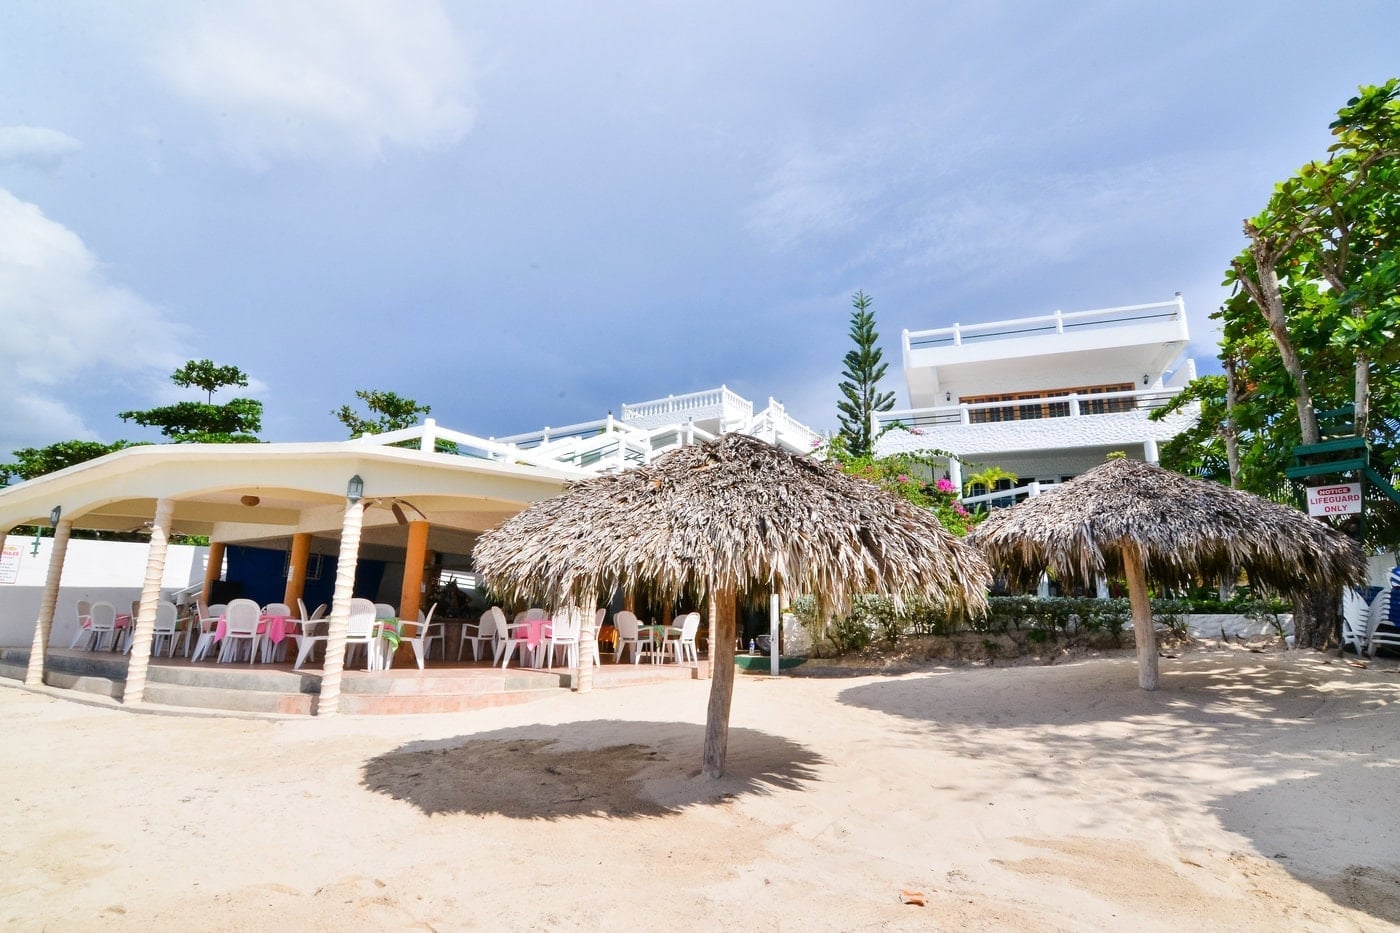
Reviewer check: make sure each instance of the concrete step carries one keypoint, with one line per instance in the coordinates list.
(372, 704)
(630, 675)
(439, 683)
(86, 683)
(243, 701)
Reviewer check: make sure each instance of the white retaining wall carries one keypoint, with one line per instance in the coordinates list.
(92, 570)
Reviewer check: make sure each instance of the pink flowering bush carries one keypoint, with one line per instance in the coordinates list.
(902, 474)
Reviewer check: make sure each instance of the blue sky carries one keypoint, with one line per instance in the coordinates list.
(527, 214)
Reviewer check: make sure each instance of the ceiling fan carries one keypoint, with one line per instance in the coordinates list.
(397, 506)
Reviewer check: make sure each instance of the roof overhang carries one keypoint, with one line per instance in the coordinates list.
(295, 487)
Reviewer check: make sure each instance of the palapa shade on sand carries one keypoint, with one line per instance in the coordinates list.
(1143, 522)
(723, 518)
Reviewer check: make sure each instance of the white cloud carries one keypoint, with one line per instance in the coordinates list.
(324, 78)
(69, 334)
(813, 193)
(35, 146)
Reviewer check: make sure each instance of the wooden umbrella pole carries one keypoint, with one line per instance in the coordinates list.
(1144, 635)
(722, 682)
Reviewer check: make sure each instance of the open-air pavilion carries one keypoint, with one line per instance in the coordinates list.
(336, 501)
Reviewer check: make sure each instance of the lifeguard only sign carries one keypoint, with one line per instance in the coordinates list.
(1342, 499)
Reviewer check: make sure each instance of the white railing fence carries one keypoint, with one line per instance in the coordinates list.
(1058, 322)
(1073, 405)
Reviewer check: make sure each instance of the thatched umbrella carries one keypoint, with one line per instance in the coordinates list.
(722, 518)
(1139, 520)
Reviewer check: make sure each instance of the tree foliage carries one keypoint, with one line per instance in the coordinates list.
(237, 421)
(388, 411)
(862, 374)
(912, 476)
(1313, 325)
(31, 462)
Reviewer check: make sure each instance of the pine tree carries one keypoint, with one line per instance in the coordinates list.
(863, 373)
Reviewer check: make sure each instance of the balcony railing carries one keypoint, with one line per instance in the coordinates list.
(720, 403)
(1073, 405)
(1057, 323)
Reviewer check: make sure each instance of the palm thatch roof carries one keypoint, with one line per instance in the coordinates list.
(729, 516)
(1183, 529)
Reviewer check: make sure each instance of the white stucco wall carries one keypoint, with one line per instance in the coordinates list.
(92, 570)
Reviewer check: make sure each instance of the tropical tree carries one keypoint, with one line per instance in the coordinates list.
(235, 422)
(863, 373)
(388, 411)
(987, 478)
(31, 462)
(1313, 326)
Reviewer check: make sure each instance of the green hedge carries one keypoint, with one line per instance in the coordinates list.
(875, 618)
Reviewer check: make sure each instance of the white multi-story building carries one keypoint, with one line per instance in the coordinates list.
(645, 430)
(1046, 397)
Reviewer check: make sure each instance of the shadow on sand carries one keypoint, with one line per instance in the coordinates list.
(579, 769)
(1263, 724)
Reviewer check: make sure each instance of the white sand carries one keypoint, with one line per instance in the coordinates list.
(1251, 792)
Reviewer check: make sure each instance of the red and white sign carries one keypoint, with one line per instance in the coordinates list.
(1342, 499)
(10, 557)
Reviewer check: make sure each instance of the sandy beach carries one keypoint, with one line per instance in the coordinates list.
(1252, 792)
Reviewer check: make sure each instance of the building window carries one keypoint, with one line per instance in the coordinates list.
(1058, 409)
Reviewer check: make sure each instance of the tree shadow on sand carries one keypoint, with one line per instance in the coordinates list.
(1261, 724)
(579, 769)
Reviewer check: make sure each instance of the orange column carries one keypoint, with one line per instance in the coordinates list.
(296, 569)
(414, 557)
(212, 569)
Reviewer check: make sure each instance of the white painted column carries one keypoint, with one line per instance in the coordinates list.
(775, 624)
(1149, 450)
(34, 673)
(587, 640)
(337, 627)
(955, 474)
(145, 622)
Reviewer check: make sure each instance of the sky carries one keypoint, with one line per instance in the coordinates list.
(527, 214)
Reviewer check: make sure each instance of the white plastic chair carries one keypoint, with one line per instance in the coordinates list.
(1354, 621)
(308, 617)
(103, 627)
(681, 639)
(563, 633)
(626, 623)
(385, 611)
(208, 625)
(1378, 616)
(484, 630)
(598, 618)
(361, 631)
(84, 612)
(276, 651)
(241, 625)
(433, 632)
(422, 638)
(167, 629)
(305, 637)
(509, 639)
